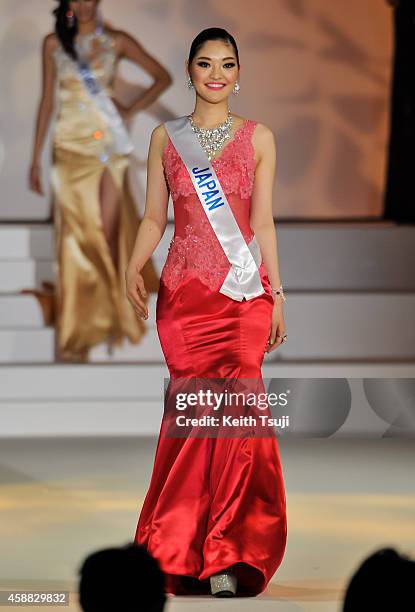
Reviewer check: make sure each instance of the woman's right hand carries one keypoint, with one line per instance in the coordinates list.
(35, 182)
(136, 291)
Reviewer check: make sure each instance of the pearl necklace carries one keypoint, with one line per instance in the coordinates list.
(212, 139)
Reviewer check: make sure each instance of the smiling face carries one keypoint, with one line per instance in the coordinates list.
(84, 10)
(214, 70)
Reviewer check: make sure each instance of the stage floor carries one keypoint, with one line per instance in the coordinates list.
(63, 498)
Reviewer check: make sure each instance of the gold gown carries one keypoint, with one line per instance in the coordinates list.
(91, 305)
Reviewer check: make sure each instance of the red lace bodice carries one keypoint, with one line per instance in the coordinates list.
(194, 248)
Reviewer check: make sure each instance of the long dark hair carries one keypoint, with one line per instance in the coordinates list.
(212, 34)
(65, 34)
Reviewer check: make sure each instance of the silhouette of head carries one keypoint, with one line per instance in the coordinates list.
(123, 579)
(384, 581)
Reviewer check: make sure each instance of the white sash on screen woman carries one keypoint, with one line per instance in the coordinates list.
(103, 103)
(243, 279)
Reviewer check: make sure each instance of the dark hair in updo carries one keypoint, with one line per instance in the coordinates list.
(212, 34)
(66, 35)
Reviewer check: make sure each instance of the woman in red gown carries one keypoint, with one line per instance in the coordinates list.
(215, 512)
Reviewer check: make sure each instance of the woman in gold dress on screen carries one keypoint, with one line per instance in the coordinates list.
(95, 219)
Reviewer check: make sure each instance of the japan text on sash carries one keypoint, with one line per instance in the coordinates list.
(243, 279)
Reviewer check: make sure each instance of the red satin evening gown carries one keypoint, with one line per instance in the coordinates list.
(213, 502)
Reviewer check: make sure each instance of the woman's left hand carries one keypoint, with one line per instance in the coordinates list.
(277, 328)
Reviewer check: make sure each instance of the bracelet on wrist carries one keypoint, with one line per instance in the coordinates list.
(278, 294)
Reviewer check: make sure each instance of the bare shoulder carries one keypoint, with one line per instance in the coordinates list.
(117, 33)
(263, 141)
(159, 138)
(263, 135)
(114, 32)
(50, 43)
(122, 38)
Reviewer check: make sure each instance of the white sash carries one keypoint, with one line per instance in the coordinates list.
(103, 103)
(243, 279)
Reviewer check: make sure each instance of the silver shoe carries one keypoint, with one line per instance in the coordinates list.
(223, 584)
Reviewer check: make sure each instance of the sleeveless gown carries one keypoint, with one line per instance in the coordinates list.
(213, 502)
(91, 302)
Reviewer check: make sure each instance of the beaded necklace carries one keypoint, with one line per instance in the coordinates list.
(212, 139)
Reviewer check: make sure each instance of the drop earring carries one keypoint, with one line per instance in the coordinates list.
(190, 83)
(70, 19)
(236, 88)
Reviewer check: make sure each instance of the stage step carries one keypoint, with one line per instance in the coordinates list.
(373, 326)
(20, 311)
(27, 345)
(127, 400)
(313, 256)
(350, 294)
(26, 241)
(24, 274)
